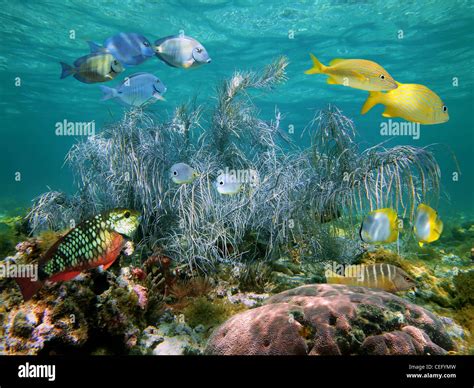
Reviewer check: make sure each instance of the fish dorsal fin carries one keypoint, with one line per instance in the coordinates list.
(95, 47)
(353, 270)
(335, 61)
(160, 41)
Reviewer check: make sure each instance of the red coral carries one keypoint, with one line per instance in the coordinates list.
(138, 273)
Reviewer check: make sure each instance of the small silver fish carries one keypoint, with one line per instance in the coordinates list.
(136, 89)
(181, 51)
(182, 173)
(227, 184)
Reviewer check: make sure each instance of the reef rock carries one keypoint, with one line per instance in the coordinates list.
(56, 322)
(325, 319)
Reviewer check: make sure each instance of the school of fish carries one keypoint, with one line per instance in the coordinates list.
(129, 49)
(411, 102)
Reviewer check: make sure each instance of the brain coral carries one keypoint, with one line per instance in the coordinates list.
(325, 319)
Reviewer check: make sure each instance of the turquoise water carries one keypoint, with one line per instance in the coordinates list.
(35, 35)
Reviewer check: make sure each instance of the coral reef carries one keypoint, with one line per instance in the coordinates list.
(288, 205)
(202, 257)
(332, 319)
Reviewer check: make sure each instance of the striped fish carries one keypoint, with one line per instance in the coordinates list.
(384, 276)
(411, 102)
(92, 68)
(95, 242)
(355, 73)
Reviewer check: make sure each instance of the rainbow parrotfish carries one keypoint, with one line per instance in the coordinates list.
(95, 242)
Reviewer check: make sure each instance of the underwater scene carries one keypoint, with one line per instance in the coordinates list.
(236, 178)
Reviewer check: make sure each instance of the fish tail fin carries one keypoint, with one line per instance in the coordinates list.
(95, 47)
(66, 70)
(108, 92)
(28, 287)
(318, 67)
(373, 99)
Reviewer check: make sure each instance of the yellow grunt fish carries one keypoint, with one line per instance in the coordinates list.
(355, 73)
(411, 102)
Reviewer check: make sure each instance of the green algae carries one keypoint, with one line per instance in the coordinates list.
(464, 285)
(202, 311)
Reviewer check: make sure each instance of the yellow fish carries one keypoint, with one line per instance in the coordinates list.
(356, 73)
(384, 276)
(92, 68)
(427, 226)
(380, 227)
(411, 102)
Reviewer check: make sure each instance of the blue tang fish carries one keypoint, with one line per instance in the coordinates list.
(136, 89)
(128, 48)
(181, 51)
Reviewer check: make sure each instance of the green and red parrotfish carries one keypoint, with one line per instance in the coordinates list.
(95, 242)
(355, 73)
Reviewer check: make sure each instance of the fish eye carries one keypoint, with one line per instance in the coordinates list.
(445, 108)
(127, 214)
(199, 50)
(382, 76)
(175, 173)
(221, 183)
(146, 44)
(408, 279)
